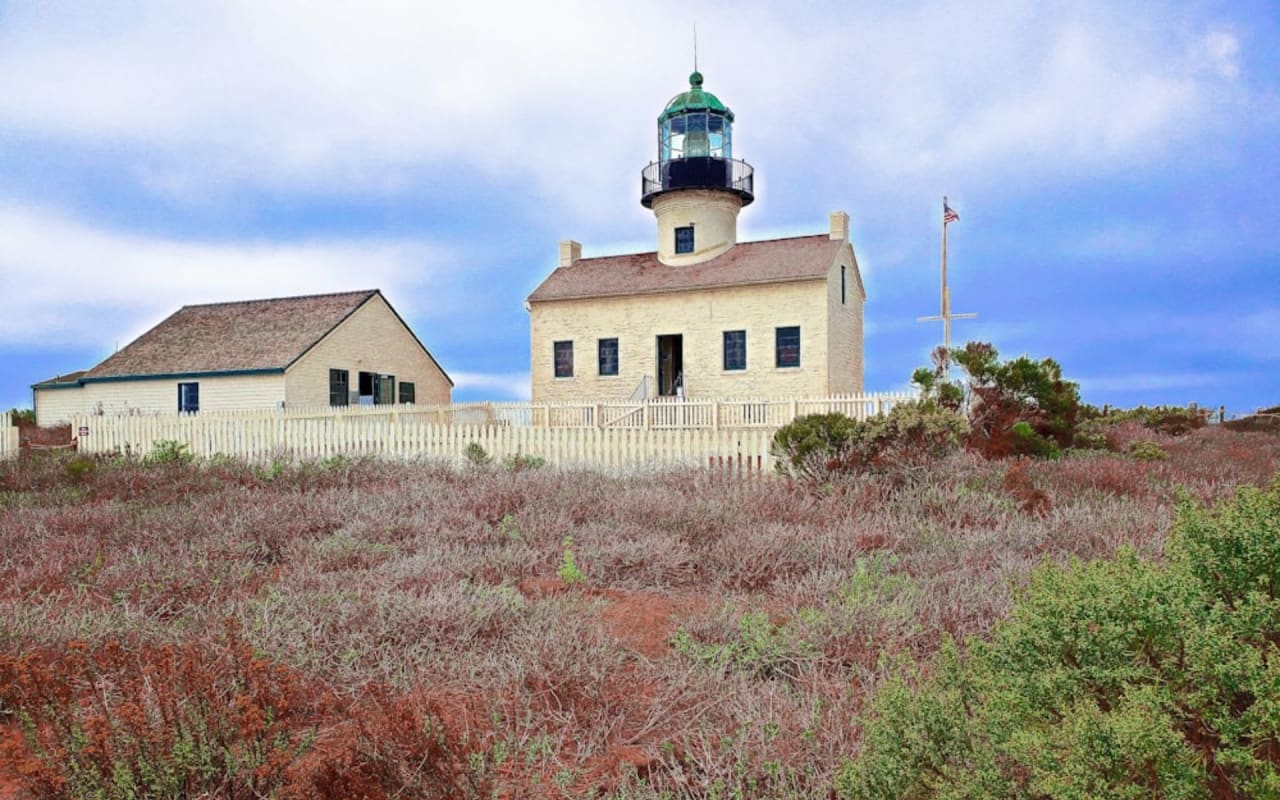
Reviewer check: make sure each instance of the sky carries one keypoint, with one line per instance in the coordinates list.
(1114, 166)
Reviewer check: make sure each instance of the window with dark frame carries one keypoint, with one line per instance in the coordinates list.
(684, 239)
(608, 353)
(407, 393)
(843, 283)
(563, 359)
(339, 387)
(735, 350)
(384, 391)
(188, 398)
(787, 346)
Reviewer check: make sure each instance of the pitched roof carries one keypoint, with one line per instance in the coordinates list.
(770, 261)
(232, 337)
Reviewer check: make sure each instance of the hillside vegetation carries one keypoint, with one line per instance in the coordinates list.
(362, 629)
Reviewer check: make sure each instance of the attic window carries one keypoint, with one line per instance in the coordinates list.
(684, 239)
(843, 282)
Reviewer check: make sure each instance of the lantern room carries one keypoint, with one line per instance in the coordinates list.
(695, 148)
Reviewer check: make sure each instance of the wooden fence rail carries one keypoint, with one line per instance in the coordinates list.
(651, 414)
(263, 438)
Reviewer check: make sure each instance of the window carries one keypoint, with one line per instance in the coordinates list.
(188, 398)
(735, 350)
(788, 347)
(564, 359)
(684, 239)
(842, 284)
(608, 350)
(339, 383)
(406, 392)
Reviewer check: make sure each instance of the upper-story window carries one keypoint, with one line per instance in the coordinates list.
(788, 347)
(563, 359)
(684, 239)
(843, 284)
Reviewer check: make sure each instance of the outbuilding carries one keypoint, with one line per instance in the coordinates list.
(333, 350)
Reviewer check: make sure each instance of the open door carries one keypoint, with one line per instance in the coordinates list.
(670, 365)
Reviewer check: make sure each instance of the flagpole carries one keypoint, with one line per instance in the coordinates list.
(945, 295)
(946, 304)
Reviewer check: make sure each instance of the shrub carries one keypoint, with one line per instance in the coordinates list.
(819, 447)
(125, 720)
(1119, 678)
(23, 416)
(812, 446)
(523, 461)
(1169, 420)
(568, 570)
(1018, 407)
(169, 451)
(476, 455)
(1147, 451)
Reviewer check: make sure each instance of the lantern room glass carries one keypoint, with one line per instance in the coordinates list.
(695, 134)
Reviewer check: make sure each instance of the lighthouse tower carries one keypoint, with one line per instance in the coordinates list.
(696, 187)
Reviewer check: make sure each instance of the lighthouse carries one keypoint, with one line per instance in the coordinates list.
(702, 315)
(696, 187)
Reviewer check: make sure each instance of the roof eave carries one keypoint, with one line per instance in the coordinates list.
(678, 289)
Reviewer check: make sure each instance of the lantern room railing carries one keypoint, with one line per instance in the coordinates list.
(699, 172)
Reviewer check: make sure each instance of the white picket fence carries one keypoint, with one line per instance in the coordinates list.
(657, 432)
(8, 436)
(264, 438)
(663, 413)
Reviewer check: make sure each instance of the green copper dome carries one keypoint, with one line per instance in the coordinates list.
(695, 100)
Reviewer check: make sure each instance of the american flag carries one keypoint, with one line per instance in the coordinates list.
(948, 214)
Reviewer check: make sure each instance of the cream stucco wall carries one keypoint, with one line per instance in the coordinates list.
(713, 215)
(844, 325)
(701, 317)
(370, 340)
(219, 393)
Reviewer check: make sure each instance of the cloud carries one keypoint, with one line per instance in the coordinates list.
(69, 283)
(562, 98)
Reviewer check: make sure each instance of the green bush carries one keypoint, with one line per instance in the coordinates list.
(1169, 420)
(822, 446)
(812, 446)
(1116, 679)
(476, 455)
(169, 451)
(520, 462)
(1147, 451)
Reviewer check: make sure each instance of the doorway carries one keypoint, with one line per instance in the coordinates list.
(671, 365)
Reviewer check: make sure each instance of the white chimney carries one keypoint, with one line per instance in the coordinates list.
(570, 251)
(839, 225)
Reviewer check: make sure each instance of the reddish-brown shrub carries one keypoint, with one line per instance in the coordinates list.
(124, 719)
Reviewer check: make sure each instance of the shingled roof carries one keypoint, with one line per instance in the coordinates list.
(246, 336)
(770, 261)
